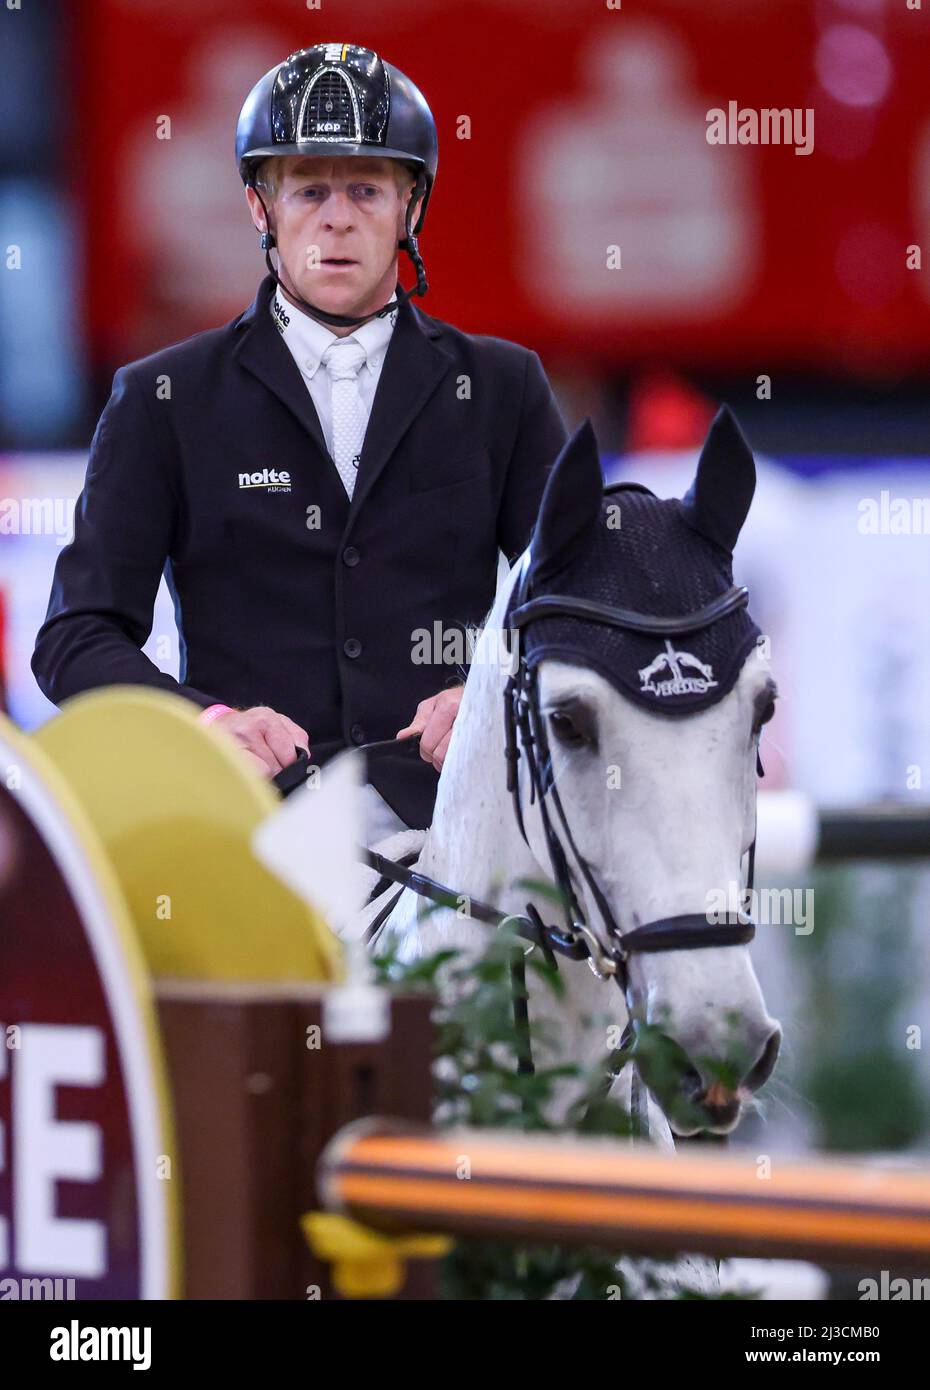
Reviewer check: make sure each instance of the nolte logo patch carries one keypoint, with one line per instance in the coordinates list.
(271, 479)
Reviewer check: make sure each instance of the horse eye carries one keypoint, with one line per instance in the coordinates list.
(765, 715)
(566, 730)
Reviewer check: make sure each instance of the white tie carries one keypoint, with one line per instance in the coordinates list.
(342, 360)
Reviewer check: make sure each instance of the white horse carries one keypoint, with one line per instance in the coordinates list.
(675, 830)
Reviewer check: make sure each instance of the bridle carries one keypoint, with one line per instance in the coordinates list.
(607, 954)
(525, 736)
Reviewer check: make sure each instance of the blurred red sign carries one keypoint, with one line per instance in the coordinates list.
(579, 205)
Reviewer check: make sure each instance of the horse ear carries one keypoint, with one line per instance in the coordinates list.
(571, 504)
(717, 502)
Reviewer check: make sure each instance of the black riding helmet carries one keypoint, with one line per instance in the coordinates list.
(339, 99)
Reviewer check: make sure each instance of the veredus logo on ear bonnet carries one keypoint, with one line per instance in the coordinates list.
(677, 664)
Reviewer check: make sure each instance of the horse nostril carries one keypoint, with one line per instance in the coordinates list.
(722, 1115)
(766, 1062)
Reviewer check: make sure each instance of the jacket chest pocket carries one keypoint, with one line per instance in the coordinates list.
(442, 472)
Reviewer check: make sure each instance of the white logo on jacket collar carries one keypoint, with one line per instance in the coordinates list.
(271, 479)
(677, 683)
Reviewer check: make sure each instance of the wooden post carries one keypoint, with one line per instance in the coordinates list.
(257, 1093)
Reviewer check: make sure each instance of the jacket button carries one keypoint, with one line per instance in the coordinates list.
(350, 556)
(352, 646)
(357, 733)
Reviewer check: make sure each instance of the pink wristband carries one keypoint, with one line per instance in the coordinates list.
(212, 712)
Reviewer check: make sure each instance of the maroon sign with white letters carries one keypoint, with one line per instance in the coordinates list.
(82, 1210)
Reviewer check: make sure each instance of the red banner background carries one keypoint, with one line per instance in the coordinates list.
(588, 129)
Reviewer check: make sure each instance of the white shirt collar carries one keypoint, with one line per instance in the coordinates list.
(308, 340)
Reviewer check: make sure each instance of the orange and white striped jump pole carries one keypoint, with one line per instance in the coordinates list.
(622, 1196)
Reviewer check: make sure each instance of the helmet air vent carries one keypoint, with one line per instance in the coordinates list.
(329, 108)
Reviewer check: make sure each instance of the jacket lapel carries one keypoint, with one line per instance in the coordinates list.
(415, 363)
(263, 352)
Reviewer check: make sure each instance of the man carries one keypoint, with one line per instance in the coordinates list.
(322, 479)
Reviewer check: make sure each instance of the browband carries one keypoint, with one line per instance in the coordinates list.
(563, 605)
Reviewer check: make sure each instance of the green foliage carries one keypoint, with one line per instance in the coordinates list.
(486, 1270)
(478, 1044)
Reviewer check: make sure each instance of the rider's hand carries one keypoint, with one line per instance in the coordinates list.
(433, 721)
(267, 738)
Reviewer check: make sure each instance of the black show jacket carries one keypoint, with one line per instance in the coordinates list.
(288, 595)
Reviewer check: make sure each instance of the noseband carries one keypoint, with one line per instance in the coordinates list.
(526, 737)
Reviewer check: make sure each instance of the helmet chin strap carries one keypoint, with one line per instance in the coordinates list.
(410, 244)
